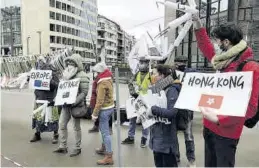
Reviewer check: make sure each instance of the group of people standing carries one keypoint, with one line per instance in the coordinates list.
(102, 101)
(221, 133)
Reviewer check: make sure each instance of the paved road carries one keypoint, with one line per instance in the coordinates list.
(16, 132)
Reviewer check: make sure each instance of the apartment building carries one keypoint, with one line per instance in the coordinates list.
(51, 25)
(117, 42)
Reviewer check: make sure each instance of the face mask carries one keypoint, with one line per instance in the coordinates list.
(143, 67)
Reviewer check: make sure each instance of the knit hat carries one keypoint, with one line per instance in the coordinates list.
(100, 67)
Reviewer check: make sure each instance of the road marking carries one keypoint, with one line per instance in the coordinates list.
(6, 158)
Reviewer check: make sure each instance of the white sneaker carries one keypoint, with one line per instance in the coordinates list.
(191, 164)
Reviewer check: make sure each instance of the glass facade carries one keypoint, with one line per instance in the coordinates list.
(81, 22)
(11, 20)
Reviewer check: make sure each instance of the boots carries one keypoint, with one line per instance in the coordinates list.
(100, 151)
(55, 138)
(107, 160)
(36, 137)
(94, 129)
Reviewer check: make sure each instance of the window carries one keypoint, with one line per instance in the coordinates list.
(64, 29)
(64, 40)
(223, 5)
(64, 7)
(69, 19)
(58, 28)
(64, 19)
(69, 42)
(52, 3)
(52, 27)
(77, 33)
(73, 20)
(52, 39)
(73, 9)
(76, 43)
(69, 8)
(58, 16)
(214, 7)
(73, 31)
(52, 15)
(69, 30)
(73, 42)
(58, 5)
(58, 40)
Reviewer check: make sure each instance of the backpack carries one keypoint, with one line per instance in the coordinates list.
(251, 122)
(183, 117)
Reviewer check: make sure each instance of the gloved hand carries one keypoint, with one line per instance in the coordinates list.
(52, 103)
(135, 95)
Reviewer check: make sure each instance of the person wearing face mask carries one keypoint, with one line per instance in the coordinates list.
(181, 65)
(163, 135)
(139, 86)
(49, 95)
(73, 69)
(222, 133)
(103, 109)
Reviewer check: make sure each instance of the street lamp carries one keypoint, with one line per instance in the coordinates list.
(28, 51)
(39, 32)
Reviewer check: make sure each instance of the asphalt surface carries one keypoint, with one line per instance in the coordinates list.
(16, 108)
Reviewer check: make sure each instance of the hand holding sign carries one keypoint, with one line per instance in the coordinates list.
(40, 79)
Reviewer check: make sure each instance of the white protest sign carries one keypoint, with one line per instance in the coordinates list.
(40, 79)
(67, 92)
(130, 110)
(179, 75)
(144, 103)
(224, 93)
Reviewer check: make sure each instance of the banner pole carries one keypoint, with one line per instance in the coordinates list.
(118, 117)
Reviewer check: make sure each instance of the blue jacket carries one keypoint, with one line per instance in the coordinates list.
(163, 137)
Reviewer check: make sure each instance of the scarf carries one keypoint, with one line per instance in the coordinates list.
(162, 84)
(69, 72)
(222, 60)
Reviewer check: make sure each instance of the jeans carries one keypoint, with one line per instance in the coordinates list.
(104, 118)
(65, 116)
(132, 129)
(189, 144)
(219, 151)
(96, 123)
(165, 159)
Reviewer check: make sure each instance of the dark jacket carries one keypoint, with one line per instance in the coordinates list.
(48, 94)
(230, 126)
(163, 137)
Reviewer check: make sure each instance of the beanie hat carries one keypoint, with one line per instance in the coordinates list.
(100, 67)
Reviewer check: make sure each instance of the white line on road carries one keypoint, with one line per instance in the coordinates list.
(6, 158)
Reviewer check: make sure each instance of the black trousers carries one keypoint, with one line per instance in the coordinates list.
(165, 159)
(219, 151)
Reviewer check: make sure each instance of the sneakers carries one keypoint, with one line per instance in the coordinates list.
(61, 150)
(191, 164)
(143, 142)
(94, 129)
(36, 137)
(75, 152)
(128, 140)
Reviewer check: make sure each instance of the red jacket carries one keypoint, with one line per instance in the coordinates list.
(105, 74)
(230, 126)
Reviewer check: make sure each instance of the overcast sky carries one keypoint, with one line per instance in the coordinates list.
(129, 13)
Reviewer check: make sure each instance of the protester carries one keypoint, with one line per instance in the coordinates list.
(139, 86)
(163, 135)
(181, 65)
(222, 133)
(103, 110)
(73, 69)
(38, 121)
(92, 105)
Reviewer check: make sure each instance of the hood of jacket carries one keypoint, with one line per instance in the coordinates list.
(77, 59)
(105, 74)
